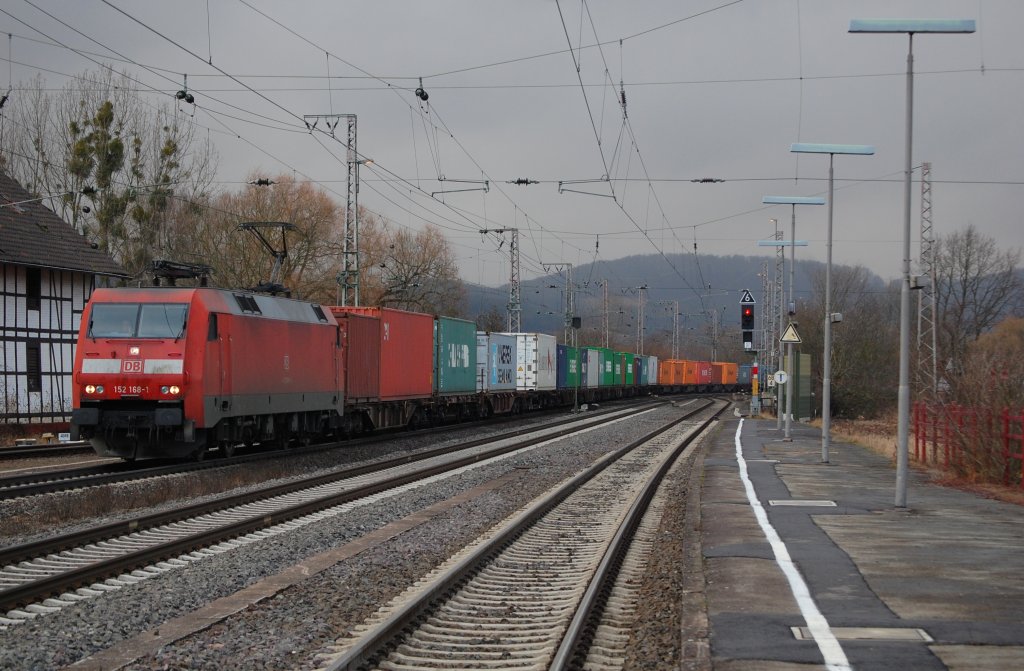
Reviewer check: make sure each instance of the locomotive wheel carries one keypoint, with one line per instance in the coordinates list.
(227, 449)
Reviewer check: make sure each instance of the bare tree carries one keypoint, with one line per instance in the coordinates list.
(492, 320)
(976, 287)
(409, 270)
(864, 344)
(105, 160)
(207, 232)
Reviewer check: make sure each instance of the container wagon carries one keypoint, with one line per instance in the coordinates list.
(399, 352)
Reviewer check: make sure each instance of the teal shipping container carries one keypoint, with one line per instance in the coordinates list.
(454, 356)
(568, 367)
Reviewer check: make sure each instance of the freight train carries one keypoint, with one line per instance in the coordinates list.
(177, 372)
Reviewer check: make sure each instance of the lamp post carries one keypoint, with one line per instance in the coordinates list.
(910, 27)
(792, 201)
(826, 377)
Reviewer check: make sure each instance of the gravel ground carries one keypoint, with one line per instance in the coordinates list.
(289, 629)
(665, 635)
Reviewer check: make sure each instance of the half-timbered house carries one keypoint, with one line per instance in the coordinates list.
(47, 273)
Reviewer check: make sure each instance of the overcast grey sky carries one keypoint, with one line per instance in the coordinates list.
(714, 89)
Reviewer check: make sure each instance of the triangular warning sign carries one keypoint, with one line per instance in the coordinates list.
(790, 335)
(746, 297)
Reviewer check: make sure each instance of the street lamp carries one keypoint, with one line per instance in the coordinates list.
(826, 378)
(908, 26)
(792, 201)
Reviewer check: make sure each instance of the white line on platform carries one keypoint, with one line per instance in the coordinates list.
(835, 658)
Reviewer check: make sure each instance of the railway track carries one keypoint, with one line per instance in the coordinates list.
(50, 481)
(40, 577)
(45, 450)
(548, 589)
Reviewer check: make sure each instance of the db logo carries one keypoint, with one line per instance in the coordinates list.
(131, 366)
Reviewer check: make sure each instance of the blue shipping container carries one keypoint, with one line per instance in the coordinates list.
(495, 361)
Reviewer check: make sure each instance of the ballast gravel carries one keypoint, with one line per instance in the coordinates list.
(289, 629)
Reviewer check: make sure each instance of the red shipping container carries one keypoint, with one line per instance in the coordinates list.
(690, 376)
(704, 372)
(360, 335)
(406, 351)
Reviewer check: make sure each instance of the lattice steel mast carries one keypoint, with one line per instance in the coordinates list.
(515, 303)
(927, 354)
(348, 278)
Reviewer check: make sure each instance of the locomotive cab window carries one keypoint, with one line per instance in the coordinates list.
(138, 320)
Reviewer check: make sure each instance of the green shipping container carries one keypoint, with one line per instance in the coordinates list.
(607, 367)
(628, 368)
(454, 356)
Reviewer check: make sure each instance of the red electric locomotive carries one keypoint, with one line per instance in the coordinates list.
(174, 371)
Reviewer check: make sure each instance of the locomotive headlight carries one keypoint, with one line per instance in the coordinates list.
(173, 390)
(133, 351)
(90, 389)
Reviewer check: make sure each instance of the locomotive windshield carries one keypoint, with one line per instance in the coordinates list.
(138, 320)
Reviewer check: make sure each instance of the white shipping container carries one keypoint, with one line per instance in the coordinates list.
(536, 361)
(652, 370)
(593, 378)
(495, 361)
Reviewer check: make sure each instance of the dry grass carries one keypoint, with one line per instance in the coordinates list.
(879, 435)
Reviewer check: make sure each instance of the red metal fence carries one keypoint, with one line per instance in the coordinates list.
(982, 443)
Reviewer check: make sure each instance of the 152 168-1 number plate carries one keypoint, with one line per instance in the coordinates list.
(130, 389)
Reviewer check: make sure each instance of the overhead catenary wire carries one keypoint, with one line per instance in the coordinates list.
(432, 108)
(617, 168)
(192, 54)
(89, 56)
(597, 137)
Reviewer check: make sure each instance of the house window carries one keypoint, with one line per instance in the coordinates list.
(34, 366)
(33, 288)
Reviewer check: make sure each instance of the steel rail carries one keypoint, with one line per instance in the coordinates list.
(35, 590)
(48, 482)
(576, 642)
(367, 651)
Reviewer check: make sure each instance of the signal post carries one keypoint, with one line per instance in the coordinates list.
(747, 332)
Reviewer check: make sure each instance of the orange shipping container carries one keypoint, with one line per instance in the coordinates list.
(670, 372)
(724, 373)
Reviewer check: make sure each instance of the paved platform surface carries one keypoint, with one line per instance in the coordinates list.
(833, 575)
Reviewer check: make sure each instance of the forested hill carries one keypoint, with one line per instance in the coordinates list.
(699, 284)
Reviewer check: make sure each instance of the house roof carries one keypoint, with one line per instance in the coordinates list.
(32, 235)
